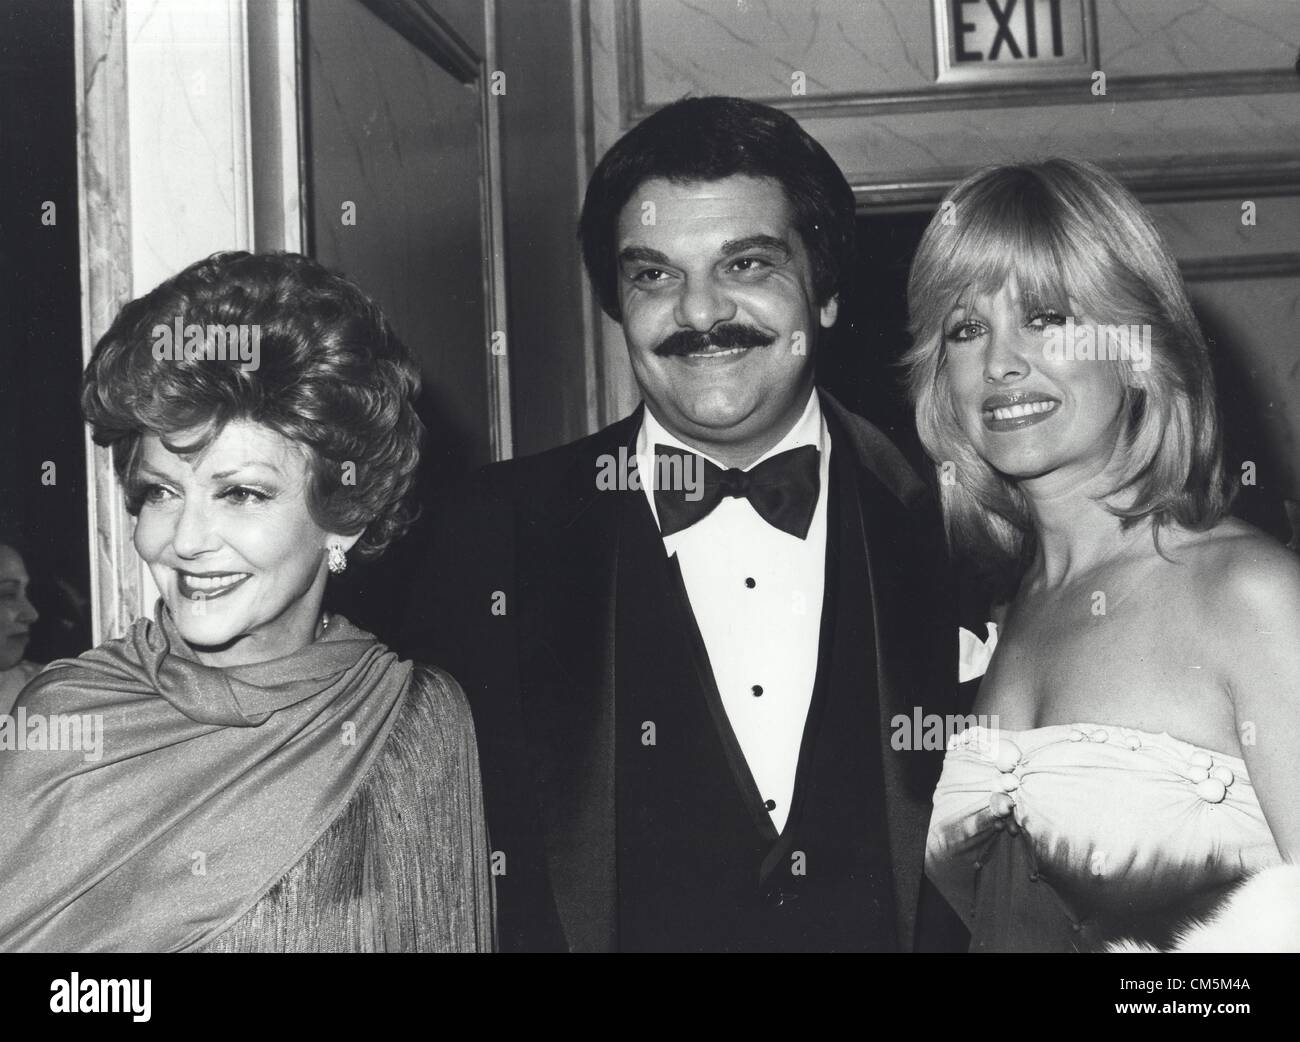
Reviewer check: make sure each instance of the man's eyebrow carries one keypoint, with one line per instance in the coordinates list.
(645, 255)
(756, 242)
(642, 255)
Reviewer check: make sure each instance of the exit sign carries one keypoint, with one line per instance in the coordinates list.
(998, 41)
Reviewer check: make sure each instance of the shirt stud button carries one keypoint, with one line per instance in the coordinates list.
(750, 583)
(770, 805)
(757, 689)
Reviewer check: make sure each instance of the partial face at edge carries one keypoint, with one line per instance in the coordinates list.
(718, 308)
(16, 612)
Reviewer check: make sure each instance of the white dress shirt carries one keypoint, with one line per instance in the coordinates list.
(757, 596)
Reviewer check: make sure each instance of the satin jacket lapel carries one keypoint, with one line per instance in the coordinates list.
(911, 610)
(567, 547)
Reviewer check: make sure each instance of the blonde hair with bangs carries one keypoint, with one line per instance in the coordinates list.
(1070, 235)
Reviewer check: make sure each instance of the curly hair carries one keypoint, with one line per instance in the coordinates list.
(329, 374)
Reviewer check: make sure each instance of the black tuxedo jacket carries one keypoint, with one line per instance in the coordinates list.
(517, 602)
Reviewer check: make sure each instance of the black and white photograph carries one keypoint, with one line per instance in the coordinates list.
(657, 476)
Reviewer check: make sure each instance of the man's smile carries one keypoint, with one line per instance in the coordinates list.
(714, 355)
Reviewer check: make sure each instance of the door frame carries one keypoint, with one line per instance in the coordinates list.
(420, 24)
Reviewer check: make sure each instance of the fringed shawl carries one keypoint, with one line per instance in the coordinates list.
(405, 866)
(211, 785)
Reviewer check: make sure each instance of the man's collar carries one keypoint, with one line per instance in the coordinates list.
(809, 429)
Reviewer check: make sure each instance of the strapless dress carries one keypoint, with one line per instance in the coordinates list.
(1066, 837)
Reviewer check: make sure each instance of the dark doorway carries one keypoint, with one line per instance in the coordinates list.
(42, 462)
(858, 361)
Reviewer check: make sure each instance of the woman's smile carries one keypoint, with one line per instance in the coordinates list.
(1017, 410)
(208, 586)
(231, 523)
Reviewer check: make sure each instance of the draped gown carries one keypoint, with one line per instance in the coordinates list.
(1067, 837)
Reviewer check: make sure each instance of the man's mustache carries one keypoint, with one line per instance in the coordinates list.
(692, 341)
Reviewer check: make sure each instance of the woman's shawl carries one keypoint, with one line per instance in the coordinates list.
(207, 784)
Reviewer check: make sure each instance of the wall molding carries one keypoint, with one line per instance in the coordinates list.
(1069, 90)
(426, 30)
(1248, 266)
(585, 123)
(1263, 175)
(103, 176)
(1121, 89)
(494, 238)
(275, 121)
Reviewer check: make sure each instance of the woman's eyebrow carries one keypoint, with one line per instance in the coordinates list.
(145, 470)
(230, 472)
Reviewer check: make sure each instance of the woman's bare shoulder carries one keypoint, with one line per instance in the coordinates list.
(1243, 575)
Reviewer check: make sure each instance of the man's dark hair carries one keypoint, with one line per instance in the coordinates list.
(708, 139)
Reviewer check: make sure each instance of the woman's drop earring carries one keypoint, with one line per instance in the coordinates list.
(338, 562)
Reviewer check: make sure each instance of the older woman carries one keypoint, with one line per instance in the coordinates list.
(271, 778)
(1141, 712)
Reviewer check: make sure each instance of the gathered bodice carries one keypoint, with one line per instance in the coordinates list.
(1062, 838)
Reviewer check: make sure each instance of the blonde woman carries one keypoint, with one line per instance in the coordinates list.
(1146, 678)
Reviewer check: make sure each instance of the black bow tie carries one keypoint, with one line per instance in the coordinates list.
(782, 489)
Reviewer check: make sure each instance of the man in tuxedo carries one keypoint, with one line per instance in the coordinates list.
(686, 638)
